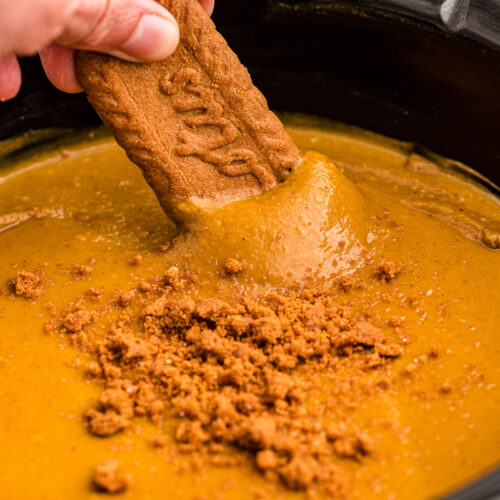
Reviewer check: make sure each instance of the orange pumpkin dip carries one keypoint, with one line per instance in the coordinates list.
(353, 308)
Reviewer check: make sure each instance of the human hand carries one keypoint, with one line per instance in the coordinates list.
(134, 30)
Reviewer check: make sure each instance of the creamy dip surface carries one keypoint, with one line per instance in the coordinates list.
(80, 214)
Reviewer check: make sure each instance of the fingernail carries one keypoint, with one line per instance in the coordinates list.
(155, 38)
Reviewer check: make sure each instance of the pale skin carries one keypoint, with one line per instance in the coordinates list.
(134, 30)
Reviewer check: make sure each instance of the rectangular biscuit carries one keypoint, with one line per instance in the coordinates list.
(194, 123)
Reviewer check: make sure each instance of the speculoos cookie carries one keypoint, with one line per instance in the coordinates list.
(194, 123)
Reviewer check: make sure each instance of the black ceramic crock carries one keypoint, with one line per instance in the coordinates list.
(426, 71)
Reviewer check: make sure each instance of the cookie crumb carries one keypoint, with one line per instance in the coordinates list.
(135, 261)
(446, 387)
(434, 352)
(108, 479)
(77, 319)
(491, 239)
(82, 271)
(396, 321)
(29, 285)
(94, 294)
(126, 298)
(144, 286)
(347, 282)
(388, 270)
(233, 266)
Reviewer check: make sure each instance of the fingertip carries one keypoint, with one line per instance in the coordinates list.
(208, 5)
(155, 38)
(10, 78)
(60, 67)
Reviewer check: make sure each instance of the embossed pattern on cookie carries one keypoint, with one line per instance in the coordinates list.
(194, 122)
(190, 95)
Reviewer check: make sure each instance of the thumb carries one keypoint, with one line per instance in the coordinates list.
(134, 30)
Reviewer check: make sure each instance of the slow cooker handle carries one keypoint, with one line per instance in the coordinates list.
(476, 19)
